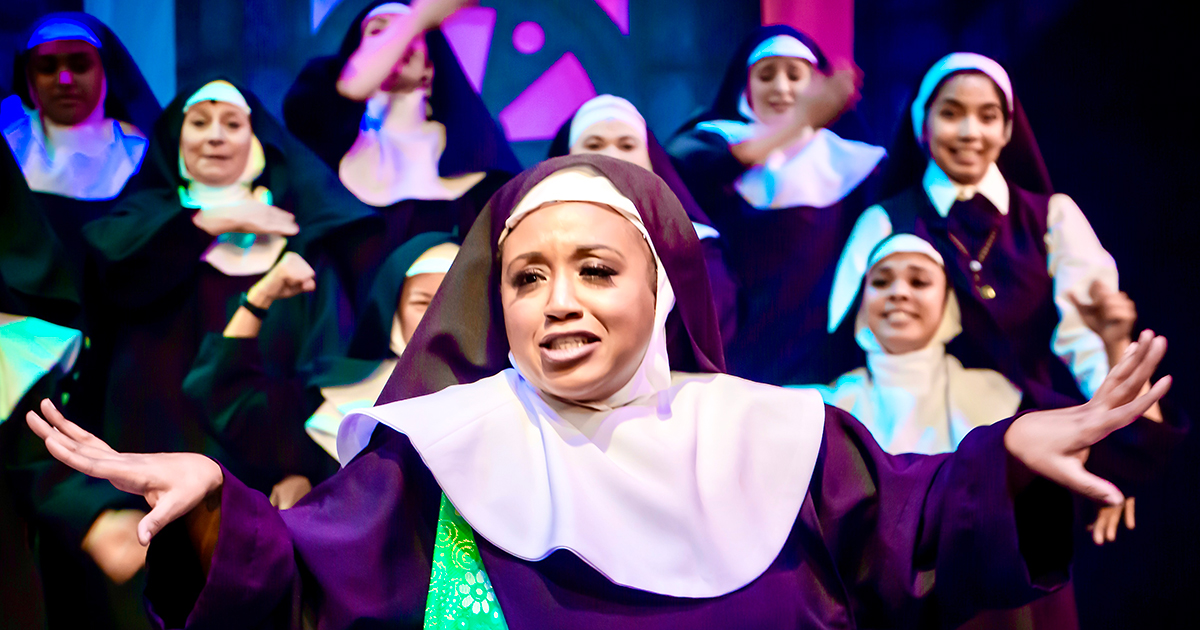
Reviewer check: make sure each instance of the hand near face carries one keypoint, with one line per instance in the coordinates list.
(248, 217)
(172, 483)
(290, 277)
(1055, 444)
(1110, 315)
(829, 96)
(112, 542)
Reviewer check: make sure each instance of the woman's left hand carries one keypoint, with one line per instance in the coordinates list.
(1055, 444)
(1109, 519)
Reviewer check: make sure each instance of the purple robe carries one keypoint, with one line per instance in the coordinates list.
(881, 540)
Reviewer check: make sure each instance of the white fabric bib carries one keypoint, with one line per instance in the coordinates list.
(690, 492)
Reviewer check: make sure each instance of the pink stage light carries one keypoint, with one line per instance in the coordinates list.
(618, 11)
(538, 112)
(528, 37)
(469, 32)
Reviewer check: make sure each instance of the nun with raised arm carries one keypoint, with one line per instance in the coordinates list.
(1024, 262)
(784, 191)
(610, 125)
(393, 114)
(227, 193)
(77, 122)
(543, 457)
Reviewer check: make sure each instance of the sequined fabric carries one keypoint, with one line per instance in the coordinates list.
(460, 592)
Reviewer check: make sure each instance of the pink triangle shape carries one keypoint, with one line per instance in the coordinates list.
(618, 11)
(469, 32)
(538, 112)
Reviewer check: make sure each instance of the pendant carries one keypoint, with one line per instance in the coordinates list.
(987, 291)
(976, 266)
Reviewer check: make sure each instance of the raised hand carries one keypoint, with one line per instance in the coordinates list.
(431, 13)
(1055, 444)
(172, 483)
(829, 96)
(248, 217)
(290, 277)
(1111, 314)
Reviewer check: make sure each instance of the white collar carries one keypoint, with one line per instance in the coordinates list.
(90, 161)
(943, 191)
(689, 492)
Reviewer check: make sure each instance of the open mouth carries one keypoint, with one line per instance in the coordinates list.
(568, 347)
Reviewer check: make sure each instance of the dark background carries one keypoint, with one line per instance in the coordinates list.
(1106, 86)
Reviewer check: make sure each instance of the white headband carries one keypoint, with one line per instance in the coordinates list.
(903, 243)
(59, 29)
(387, 8)
(606, 107)
(781, 46)
(436, 259)
(222, 91)
(956, 62)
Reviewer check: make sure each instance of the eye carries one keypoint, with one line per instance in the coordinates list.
(79, 64)
(598, 272)
(879, 283)
(766, 74)
(593, 144)
(920, 283)
(526, 277)
(628, 145)
(44, 65)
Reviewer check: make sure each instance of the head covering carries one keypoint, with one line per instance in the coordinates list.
(353, 382)
(602, 108)
(297, 181)
(578, 478)
(128, 96)
(609, 106)
(329, 123)
(922, 401)
(1020, 161)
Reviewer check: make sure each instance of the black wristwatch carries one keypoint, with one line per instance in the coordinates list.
(257, 311)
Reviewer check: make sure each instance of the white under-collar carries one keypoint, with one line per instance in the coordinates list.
(90, 161)
(943, 191)
(689, 492)
(817, 171)
(396, 154)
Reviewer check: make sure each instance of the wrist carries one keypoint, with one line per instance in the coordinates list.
(254, 307)
(259, 297)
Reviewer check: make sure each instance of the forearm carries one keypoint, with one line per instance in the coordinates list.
(374, 60)
(756, 149)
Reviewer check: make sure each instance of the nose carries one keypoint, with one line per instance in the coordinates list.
(968, 128)
(562, 304)
(215, 133)
(899, 291)
(780, 84)
(64, 77)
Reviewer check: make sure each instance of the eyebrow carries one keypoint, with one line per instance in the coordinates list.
(581, 250)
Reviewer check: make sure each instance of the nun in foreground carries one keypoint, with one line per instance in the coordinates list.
(610, 125)
(784, 191)
(544, 458)
(1025, 265)
(395, 117)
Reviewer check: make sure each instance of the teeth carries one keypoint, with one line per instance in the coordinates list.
(565, 343)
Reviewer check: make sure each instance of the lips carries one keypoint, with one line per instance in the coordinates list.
(568, 347)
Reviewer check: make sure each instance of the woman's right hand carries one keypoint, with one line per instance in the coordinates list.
(829, 96)
(248, 217)
(290, 277)
(172, 483)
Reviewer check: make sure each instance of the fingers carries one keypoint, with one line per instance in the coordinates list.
(1129, 520)
(1104, 518)
(1098, 290)
(1126, 414)
(70, 429)
(1125, 380)
(165, 511)
(1114, 520)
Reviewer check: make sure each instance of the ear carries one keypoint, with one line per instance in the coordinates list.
(1008, 128)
